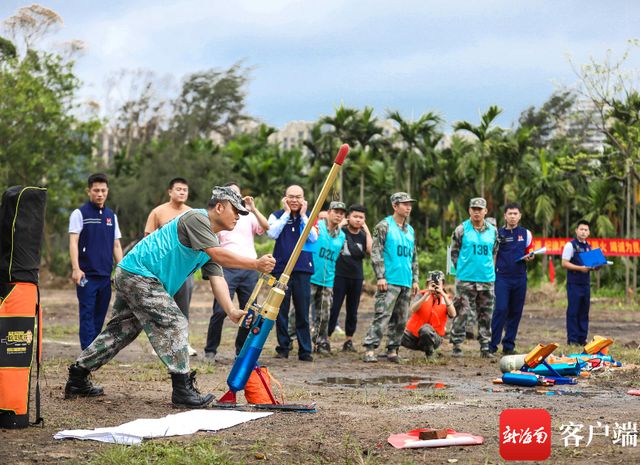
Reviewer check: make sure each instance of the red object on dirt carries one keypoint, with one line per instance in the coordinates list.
(411, 386)
(228, 398)
(634, 392)
(428, 433)
(411, 439)
(439, 386)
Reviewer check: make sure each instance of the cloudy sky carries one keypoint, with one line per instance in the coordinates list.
(453, 57)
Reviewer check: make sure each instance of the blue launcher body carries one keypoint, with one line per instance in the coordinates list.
(604, 358)
(248, 357)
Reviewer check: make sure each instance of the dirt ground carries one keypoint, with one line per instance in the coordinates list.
(353, 421)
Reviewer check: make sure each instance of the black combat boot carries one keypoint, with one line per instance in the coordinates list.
(185, 394)
(79, 384)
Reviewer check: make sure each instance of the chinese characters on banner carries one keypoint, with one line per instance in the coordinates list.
(609, 247)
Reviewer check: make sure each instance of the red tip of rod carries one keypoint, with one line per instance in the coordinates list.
(342, 154)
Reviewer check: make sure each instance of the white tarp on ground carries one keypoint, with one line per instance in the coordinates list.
(172, 425)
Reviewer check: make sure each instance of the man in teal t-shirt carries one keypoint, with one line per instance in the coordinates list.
(146, 280)
(395, 263)
(473, 253)
(327, 249)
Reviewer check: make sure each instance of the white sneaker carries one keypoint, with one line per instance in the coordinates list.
(192, 352)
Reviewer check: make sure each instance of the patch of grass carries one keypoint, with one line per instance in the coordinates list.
(626, 355)
(205, 451)
(420, 396)
(59, 331)
(354, 454)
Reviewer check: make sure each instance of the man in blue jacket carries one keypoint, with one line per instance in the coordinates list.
(514, 242)
(94, 246)
(285, 226)
(578, 285)
(146, 281)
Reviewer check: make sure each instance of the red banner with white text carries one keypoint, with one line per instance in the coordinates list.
(609, 247)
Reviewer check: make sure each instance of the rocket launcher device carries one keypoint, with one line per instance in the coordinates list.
(261, 317)
(597, 349)
(538, 356)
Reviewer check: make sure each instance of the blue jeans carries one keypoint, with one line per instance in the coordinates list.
(298, 290)
(241, 282)
(510, 296)
(93, 300)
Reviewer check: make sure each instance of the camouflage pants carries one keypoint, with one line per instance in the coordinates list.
(428, 339)
(141, 304)
(478, 298)
(472, 320)
(321, 299)
(390, 313)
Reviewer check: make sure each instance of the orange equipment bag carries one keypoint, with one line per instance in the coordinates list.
(20, 340)
(21, 231)
(258, 387)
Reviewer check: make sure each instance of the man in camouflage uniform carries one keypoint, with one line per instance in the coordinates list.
(473, 253)
(147, 278)
(330, 241)
(395, 263)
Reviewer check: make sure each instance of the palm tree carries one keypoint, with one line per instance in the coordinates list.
(367, 135)
(485, 134)
(341, 124)
(417, 141)
(546, 189)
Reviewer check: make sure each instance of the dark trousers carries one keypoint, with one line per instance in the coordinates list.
(351, 288)
(183, 296)
(93, 300)
(241, 282)
(578, 302)
(428, 339)
(299, 290)
(510, 296)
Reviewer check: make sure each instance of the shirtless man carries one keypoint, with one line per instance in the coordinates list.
(178, 194)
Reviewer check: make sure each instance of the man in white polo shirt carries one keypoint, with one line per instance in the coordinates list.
(241, 281)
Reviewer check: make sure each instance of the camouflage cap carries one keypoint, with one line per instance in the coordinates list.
(226, 193)
(436, 275)
(477, 202)
(400, 197)
(337, 205)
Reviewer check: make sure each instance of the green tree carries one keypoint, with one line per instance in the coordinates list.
(43, 143)
(417, 140)
(369, 143)
(341, 130)
(485, 133)
(546, 188)
(210, 102)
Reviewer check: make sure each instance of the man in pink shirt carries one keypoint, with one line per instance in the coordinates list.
(240, 281)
